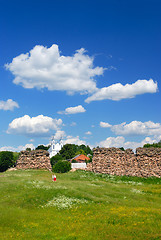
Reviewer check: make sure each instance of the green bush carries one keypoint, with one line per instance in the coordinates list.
(6, 160)
(15, 157)
(62, 167)
(55, 159)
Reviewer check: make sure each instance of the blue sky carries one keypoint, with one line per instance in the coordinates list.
(86, 71)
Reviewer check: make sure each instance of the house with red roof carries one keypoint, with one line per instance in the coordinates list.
(81, 158)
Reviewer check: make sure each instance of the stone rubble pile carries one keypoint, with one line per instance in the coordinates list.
(145, 163)
(36, 159)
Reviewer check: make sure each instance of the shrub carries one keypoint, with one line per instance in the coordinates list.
(6, 160)
(15, 157)
(55, 159)
(62, 167)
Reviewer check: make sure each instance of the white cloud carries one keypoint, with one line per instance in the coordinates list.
(135, 128)
(17, 149)
(34, 126)
(8, 105)
(73, 110)
(120, 142)
(59, 134)
(112, 142)
(117, 91)
(45, 67)
(88, 133)
(135, 145)
(105, 125)
(74, 140)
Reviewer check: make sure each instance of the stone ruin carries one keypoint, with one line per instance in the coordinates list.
(145, 163)
(36, 159)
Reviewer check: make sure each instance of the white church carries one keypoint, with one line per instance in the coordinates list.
(55, 147)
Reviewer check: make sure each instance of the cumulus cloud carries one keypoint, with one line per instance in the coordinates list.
(44, 67)
(135, 128)
(8, 105)
(118, 91)
(73, 110)
(17, 149)
(121, 142)
(112, 142)
(59, 134)
(34, 126)
(105, 125)
(74, 140)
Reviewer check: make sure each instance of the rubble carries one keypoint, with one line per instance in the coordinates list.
(114, 161)
(36, 159)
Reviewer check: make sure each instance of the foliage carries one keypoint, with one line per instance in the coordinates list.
(121, 148)
(74, 161)
(69, 151)
(62, 167)
(28, 149)
(81, 151)
(90, 160)
(156, 145)
(42, 147)
(6, 160)
(55, 159)
(15, 157)
(86, 149)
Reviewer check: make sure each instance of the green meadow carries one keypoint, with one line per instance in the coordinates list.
(79, 205)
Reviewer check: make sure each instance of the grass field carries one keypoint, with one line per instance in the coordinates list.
(79, 205)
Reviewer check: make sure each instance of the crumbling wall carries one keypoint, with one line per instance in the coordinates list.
(145, 163)
(37, 159)
(149, 161)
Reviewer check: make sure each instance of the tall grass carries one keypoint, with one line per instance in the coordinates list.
(79, 205)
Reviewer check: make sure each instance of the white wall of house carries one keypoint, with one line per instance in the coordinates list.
(78, 165)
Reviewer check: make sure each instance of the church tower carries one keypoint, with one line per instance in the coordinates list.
(55, 147)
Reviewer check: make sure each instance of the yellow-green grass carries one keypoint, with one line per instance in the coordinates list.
(79, 205)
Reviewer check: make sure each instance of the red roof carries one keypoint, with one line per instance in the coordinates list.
(81, 157)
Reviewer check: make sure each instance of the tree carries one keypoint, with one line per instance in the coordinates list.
(15, 157)
(55, 159)
(157, 145)
(121, 148)
(81, 151)
(28, 149)
(68, 151)
(86, 149)
(62, 167)
(6, 160)
(42, 147)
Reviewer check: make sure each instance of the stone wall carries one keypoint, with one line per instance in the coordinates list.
(34, 159)
(145, 163)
